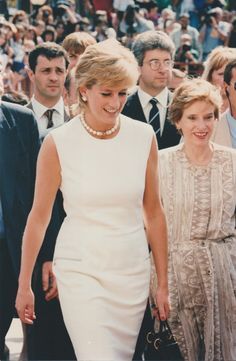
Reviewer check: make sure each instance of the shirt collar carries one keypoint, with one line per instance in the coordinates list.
(40, 109)
(162, 97)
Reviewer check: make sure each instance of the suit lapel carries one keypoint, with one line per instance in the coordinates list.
(139, 109)
(167, 123)
(8, 157)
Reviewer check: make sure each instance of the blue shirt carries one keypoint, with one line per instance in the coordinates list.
(232, 127)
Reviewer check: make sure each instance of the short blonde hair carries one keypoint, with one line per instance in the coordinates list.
(190, 91)
(107, 63)
(219, 57)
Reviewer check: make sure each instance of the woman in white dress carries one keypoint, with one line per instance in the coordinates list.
(106, 167)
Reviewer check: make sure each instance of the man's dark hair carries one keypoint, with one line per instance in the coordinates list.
(228, 71)
(48, 50)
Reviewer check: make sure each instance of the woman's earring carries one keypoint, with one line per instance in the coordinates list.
(84, 98)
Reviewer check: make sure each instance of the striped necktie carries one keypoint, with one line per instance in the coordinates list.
(49, 114)
(154, 118)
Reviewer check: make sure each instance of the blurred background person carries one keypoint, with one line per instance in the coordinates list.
(214, 31)
(185, 28)
(176, 79)
(225, 131)
(75, 44)
(214, 68)
(231, 41)
(186, 53)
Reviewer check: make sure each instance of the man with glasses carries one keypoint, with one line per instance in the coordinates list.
(225, 132)
(154, 51)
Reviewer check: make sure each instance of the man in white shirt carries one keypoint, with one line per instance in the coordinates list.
(47, 71)
(48, 339)
(154, 51)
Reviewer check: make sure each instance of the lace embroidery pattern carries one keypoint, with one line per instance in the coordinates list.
(199, 204)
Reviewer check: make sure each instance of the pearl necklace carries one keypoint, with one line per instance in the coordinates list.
(99, 133)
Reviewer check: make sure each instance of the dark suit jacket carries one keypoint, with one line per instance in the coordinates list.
(133, 109)
(47, 249)
(48, 339)
(19, 145)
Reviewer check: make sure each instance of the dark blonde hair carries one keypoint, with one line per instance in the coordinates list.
(77, 42)
(219, 57)
(190, 91)
(107, 63)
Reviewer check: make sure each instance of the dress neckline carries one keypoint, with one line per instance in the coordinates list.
(182, 157)
(103, 140)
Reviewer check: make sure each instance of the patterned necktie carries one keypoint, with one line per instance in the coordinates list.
(49, 114)
(154, 118)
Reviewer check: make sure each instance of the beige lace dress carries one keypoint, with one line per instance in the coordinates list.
(199, 203)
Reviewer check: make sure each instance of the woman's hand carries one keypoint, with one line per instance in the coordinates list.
(25, 305)
(162, 303)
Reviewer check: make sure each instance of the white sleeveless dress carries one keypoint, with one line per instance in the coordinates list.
(101, 259)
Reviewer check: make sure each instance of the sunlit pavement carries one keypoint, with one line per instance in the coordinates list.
(14, 339)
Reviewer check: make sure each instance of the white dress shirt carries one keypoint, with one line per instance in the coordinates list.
(42, 121)
(162, 104)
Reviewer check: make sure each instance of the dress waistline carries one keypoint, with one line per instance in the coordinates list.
(199, 243)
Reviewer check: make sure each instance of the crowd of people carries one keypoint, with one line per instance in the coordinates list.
(130, 211)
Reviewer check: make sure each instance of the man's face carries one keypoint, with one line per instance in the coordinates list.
(183, 22)
(231, 88)
(48, 78)
(154, 81)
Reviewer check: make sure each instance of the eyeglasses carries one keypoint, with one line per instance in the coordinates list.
(156, 64)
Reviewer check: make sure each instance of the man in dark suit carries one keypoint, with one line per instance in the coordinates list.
(154, 51)
(19, 144)
(47, 338)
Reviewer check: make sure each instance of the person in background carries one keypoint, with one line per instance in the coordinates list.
(102, 250)
(225, 131)
(177, 78)
(132, 19)
(198, 190)
(214, 68)
(186, 53)
(49, 34)
(231, 41)
(75, 44)
(47, 338)
(186, 29)
(214, 32)
(70, 96)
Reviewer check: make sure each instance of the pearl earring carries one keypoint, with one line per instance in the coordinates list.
(84, 98)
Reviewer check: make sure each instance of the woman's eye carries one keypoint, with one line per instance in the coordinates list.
(105, 94)
(123, 94)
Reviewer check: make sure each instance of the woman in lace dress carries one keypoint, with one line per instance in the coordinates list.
(198, 189)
